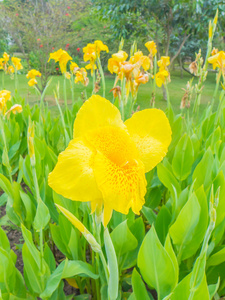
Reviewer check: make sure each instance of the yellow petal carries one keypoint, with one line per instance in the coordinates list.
(122, 186)
(96, 112)
(80, 226)
(73, 176)
(107, 214)
(151, 132)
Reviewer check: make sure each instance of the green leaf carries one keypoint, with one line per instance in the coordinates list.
(123, 240)
(162, 223)
(139, 288)
(183, 290)
(156, 265)
(203, 172)
(168, 179)
(183, 158)
(113, 281)
(149, 214)
(183, 230)
(42, 216)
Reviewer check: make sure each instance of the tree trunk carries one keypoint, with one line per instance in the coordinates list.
(164, 93)
(181, 68)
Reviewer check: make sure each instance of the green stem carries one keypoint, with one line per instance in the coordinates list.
(102, 75)
(3, 80)
(154, 82)
(67, 139)
(93, 76)
(216, 89)
(72, 89)
(16, 81)
(8, 166)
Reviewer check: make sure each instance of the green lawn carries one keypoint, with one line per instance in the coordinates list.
(175, 90)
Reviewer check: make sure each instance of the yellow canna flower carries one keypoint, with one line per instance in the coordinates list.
(91, 67)
(141, 60)
(10, 70)
(16, 62)
(218, 60)
(33, 73)
(32, 82)
(142, 78)
(100, 47)
(6, 57)
(81, 76)
(214, 51)
(90, 53)
(62, 57)
(5, 96)
(114, 63)
(210, 29)
(68, 75)
(163, 62)
(151, 46)
(120, 56)
(160, 77)
(73, 67)
(111, 157)
(16, 108)
(2, 63)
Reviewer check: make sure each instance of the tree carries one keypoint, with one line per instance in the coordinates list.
(40, 27)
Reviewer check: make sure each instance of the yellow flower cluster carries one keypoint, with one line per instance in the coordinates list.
(111, 157)
(163, 73)
(92, 53)
(5, 96)
(9, 68)
(133, 70)
(32, 74)
(17, 63)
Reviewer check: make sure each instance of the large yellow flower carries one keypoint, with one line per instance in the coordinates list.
(17, 63)
(62, 57)
(107, 159)
(33, 73)
(218, 60)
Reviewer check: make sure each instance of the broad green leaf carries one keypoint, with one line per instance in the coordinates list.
(183, 290)
(162, 223)
(156, 266)
(203, 172)
(138, 286)
(183, 230)
(42, 216)
(183, 158)
(123, 240)
(67, 269)
(113, 281)
(168, 179)
(217, 258)
(149, 214)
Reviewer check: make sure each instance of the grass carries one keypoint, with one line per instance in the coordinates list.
(144, 94)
